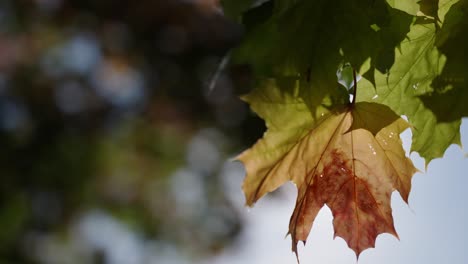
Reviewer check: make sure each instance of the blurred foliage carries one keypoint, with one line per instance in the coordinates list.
(101, 103)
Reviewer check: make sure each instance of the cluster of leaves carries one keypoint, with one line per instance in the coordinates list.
(411, 56)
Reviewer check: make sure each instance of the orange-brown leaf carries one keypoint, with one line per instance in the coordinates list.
(351, 160)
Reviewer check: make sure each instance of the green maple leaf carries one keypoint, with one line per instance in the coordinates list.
(452, 83)
(418, 62)
(349, 158)
(309, 39)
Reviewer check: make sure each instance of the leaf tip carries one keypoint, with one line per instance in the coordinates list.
(294, 249)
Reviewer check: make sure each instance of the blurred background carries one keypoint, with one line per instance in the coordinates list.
(114, 139)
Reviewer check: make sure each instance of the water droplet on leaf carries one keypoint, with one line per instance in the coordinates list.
(372, 149)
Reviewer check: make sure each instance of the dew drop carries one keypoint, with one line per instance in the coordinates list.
(372, 149)
(375, 97)
(415, 86)
(321, 176)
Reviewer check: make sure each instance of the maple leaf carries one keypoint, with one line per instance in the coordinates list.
(451, 85)
(350, 159)
(310, 38)
(418, 61)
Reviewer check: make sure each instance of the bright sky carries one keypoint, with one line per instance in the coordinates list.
(432, 229)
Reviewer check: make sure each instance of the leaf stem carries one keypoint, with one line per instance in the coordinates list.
(355, 88)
